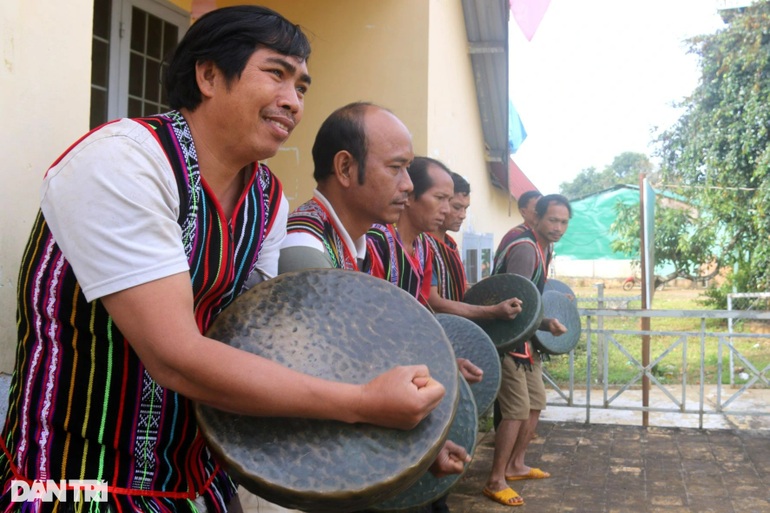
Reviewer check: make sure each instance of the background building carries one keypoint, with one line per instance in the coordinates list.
(440, 65)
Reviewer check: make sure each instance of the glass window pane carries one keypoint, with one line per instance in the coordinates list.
(136, 75)
(138, 21)
(152, 81)
(170, 39)
(98, 107)
(102, 11)
(134, 108)
(154, 36)
(100, 63)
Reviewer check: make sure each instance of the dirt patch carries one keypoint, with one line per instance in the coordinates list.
(758, 326)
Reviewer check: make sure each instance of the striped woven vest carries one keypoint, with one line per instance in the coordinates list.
(448, 267)
(82, 405)
(388, 260)
(312, 218)
(523, 235)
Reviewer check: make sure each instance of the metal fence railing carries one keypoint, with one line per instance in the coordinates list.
(677, 371)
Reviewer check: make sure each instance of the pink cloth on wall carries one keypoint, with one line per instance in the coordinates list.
(528, 14)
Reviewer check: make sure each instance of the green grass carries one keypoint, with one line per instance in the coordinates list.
(670, 368)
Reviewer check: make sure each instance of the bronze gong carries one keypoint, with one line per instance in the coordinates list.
(343, 326)
(429, 487)
(558, 286)
(471, 342)
(562, 307)
(506, 334)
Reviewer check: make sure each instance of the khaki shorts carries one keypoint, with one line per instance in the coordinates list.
(521, 390)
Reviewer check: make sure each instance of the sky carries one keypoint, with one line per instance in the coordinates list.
(598, 78)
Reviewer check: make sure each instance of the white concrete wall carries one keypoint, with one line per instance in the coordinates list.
(45, 70)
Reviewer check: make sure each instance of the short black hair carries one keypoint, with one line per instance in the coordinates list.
(418, 173)
(228, 37)
(461, 184)
(526, 197)
(546, 201)
(343, 130)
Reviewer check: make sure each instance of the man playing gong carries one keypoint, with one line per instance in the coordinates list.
(148, 229)
(528, 208)
(522, 393)
(361, 155)
(363, 166)
(433, 200)
(399, 252)
(449, 281)
(402, 252)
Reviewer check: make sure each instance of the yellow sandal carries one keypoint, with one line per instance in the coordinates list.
(505, 496)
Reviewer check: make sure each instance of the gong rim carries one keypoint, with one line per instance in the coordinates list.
(507, 334)
(558, 286)
(428, 488)
(471, 342)
(276, 321)
(564, 308)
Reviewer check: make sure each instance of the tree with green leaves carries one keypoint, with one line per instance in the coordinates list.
(624, 170)
(718, 153)
(677, 240)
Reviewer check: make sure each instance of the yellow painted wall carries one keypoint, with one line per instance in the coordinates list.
(183, 4)
(410, 56)
(455, 136)
(362, 50)
(407, 55)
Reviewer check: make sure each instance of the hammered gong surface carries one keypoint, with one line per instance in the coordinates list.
(564, 308)
(471, 342)
(343, 326)
(505, 334)
(429, 488)
(558, 286)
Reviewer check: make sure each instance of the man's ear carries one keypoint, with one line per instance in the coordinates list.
(345, 168)
(205, 75)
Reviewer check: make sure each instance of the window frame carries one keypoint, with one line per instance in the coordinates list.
(120, 45)
(477, 248)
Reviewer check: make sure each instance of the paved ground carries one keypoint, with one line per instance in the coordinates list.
(605, 468)
(616, 468)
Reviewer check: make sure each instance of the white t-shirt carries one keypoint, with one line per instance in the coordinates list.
(112, 205)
